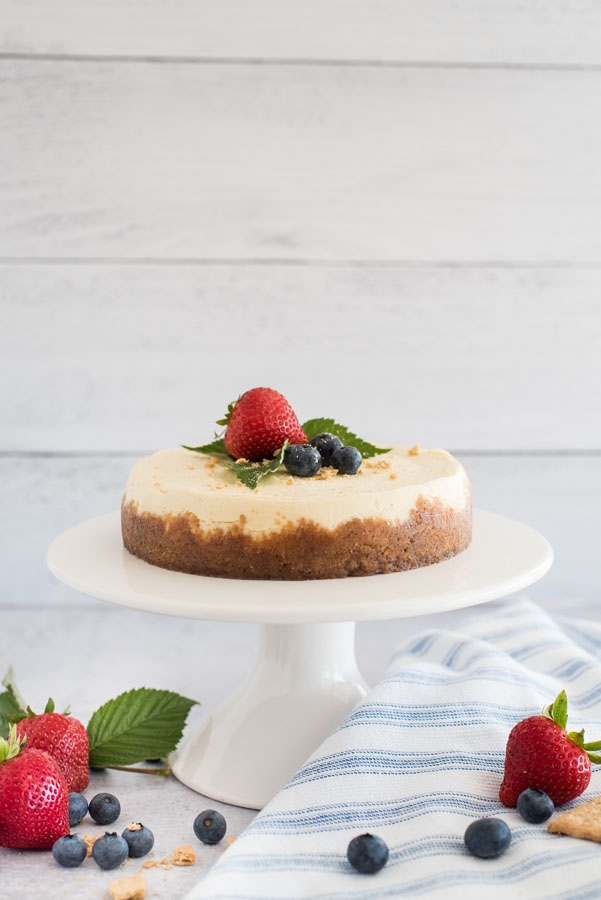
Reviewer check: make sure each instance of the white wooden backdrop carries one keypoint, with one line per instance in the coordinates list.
(388, 209)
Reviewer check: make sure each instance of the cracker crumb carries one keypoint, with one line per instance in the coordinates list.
(130, 888)
(89, 840)
(183, 855)
(392, 476)
(79, 878)
(239, 483)
(290, 480)
(150, 864)
(135, 826)
(231, 838)
(241, 461)
(414, 451)
(583, 821)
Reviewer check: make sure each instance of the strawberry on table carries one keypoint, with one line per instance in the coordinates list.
(541, 754)
(65, 739)
(34, 800)
(259, 423)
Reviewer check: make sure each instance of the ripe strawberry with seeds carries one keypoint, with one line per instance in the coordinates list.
(34, 800)
(258, 423)
(65, 739)
(541, 754)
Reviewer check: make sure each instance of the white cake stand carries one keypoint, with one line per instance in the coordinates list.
(306, 678)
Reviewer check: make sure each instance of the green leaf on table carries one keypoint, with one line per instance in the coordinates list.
(143, 723)
(11, 704)
(316, 426)
(217, 447)
(251, 473)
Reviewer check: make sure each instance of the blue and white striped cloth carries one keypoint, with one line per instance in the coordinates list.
(417, 761)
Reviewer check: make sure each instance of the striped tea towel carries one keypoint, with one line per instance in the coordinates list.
(417, 761)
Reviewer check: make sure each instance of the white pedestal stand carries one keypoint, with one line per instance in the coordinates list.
(306, 679)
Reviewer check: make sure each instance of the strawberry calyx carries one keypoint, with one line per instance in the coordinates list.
(30, 714)
(558, 713)
(228, 415)
(13, 746)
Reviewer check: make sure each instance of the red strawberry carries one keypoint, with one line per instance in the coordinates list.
(259, 423)
(34, 799)
(65, 739)
(540, 754)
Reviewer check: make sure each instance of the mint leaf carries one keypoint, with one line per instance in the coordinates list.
(316, 426)
(250, 474)
(140, 724)
(217, 446)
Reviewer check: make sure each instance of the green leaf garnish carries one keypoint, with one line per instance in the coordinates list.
(217, 447)
(139, 724)
(348, 438)
(250, 473)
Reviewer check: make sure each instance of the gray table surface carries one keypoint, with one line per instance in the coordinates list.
(84, 655)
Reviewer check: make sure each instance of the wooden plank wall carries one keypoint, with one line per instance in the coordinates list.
(389, 210)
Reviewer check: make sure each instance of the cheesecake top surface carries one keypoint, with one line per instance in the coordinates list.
(387, 486)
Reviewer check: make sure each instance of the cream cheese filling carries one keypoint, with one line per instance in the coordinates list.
(387, 487)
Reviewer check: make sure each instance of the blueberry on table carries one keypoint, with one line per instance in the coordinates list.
(78, 808)
(535, 806)
(487, 838)
(302, 459)
(326, 443)
(367, 853)
(105, 809)
(140, 839)
(347, 460)
(69, 851)
(110, 850)
(209, 826)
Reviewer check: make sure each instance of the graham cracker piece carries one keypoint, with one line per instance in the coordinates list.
(151, 864)
(131, 888)
(583, 821)
(183, 855)
(414, 451)
(89, 840)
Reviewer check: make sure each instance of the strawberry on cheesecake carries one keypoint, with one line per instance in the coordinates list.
(299, 502)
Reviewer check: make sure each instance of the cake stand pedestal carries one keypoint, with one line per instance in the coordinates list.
(306, 679)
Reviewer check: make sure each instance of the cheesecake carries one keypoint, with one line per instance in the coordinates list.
(405, 508)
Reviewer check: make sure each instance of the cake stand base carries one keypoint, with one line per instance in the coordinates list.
(305, 682)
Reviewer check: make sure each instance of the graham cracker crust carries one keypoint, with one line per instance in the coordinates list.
(299, 551)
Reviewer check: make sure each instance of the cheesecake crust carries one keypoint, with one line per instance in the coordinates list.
(302, 550)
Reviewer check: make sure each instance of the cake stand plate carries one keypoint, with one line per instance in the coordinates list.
(306, 678)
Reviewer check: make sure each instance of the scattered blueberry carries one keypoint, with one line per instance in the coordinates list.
(209, 826)
(326, 443)
(110, 850)
(535, 806)
(367, 853)
(347, 460)
(104, 809)
(487, 837)
(69, 851)
(140, 839)
(303, 460)
(78, 808)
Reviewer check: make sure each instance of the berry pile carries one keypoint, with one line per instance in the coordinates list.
(324, 449)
